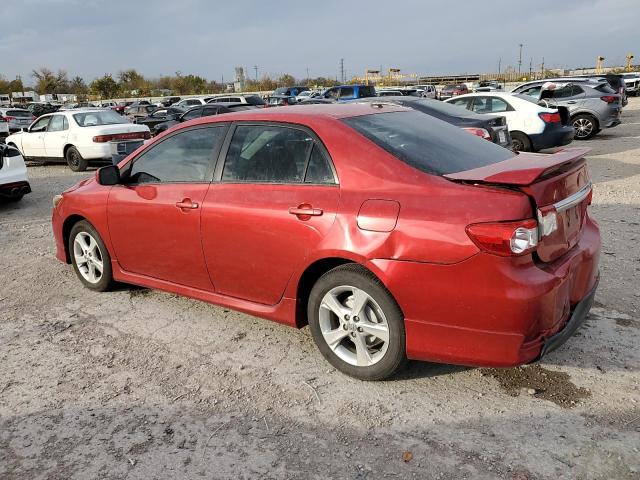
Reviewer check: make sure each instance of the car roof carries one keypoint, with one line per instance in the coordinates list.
(303, 113)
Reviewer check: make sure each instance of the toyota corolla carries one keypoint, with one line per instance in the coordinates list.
(392, 234)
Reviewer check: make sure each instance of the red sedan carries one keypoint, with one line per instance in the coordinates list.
(392, 234)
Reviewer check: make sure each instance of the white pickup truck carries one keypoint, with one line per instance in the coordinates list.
(632, 83)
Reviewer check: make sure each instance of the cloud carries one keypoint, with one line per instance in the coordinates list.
(208, 38)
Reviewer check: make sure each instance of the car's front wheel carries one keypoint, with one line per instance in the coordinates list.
(356, 323)
(90, 258)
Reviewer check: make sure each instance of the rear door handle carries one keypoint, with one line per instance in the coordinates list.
(187, 204)
(571, 102)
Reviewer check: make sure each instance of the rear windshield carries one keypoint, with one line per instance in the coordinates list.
(605, 88)
(99, 117)
(19, 113)
(426, 143)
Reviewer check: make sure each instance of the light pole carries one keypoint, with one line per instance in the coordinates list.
(520, 59)
(255, 67)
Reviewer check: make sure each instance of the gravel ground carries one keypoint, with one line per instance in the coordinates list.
(141, 384)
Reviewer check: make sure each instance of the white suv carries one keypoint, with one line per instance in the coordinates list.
(427, 91)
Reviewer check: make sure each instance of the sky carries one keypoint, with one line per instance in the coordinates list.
(210, 38)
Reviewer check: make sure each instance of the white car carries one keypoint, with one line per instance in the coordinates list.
(427, 91)
(532, 126)
(76, 136)
(190, 102)
(14, 183)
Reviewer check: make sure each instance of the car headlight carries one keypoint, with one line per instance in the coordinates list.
(56, 200)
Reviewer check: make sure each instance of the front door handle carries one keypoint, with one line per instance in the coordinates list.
(305, 211)
(187, 204)
(571, 102)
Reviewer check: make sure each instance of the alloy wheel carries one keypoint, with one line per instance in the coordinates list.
(354, 326)
(88, 257)
(583, 127)
(74, 159)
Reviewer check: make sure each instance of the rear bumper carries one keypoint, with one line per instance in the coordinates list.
(578, 315)
(552, 136)
(493, 311)
(14, 189)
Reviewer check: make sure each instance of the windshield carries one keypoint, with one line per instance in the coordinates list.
(426, 143)
(99, 117)
(19, 113)
(254, 100)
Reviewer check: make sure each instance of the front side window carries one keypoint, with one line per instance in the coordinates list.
(207, 111)
(183, 157)
(267, 154)
(40, 125)
(57, 124)
(333, 93)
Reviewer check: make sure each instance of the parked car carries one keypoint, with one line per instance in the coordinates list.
(427, 91)
(307, 94)
(41, 108)
(246, 99)
(159, 116)
(14, 183)
(487, 86)
(169, 101)
(75, 136)
(121, 106)
(4, 128)
(632, 83)
(107, 104)
(202, 111)
(5, 101)
(592, 105)
(280, 101)
(345, 93)
(190, 102)
(134, 112)
(16, 118)
(388, 93)
(360, 220)
(532, 127)
(290, 91)
(453, 90)
(489, 127)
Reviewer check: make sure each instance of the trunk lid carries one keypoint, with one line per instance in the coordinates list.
(559, 188)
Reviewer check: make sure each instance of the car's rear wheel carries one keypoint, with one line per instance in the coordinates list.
(90, 258)
(586, 126)
(75, 160)
(520, 142)
(356, 323)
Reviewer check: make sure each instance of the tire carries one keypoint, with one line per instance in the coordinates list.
(520, 142)
(356, 350)
(75, 160)
(586, 126)
(87, 255)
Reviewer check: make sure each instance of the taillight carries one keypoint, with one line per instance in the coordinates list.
(506, 239)
(8, 118)
(122, 136)
(609, 99)
(2, 119)
(550, 117)
(478, 132)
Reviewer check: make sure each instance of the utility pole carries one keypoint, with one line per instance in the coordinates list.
(530, 67)
(307, 73)
(519, 59)
(499, 65)
(255, 67)
(342, 70)
(542, 68)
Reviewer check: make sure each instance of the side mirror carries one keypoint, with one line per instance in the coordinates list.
(109, 175)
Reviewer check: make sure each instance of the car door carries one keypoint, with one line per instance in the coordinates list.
(462, 102)
(55, 137)
(154, 217)
(33, 139)
(498, 106)
(275, 200)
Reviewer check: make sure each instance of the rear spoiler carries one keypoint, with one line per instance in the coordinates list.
(522, 169)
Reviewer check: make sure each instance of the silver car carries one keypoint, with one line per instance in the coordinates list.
(17, 118)
(593, 105)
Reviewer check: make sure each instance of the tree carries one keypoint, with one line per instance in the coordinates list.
(105, 86)
(49, 82)
(130, 80)
(79, 88)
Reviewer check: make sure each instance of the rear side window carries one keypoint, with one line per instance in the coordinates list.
(58, 124)
(191, 114)
(426, 143)
(346, 92)
(266, 153)
(490, 105)
(319, 169)
(183, 157)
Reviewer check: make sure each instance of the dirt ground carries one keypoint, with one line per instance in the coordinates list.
(141, 384)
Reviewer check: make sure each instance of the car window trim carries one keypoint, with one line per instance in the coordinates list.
(217, 177)
(212, 160)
